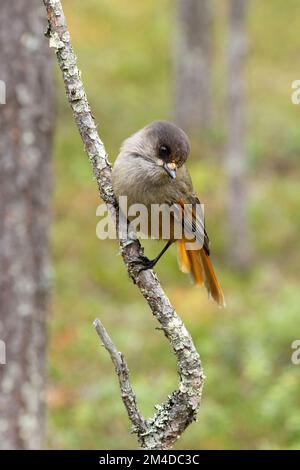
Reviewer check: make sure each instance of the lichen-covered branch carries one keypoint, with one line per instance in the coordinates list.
(180, 409)
(128, 395)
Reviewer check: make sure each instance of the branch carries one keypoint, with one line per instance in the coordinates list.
(128, 395)
(180, 409)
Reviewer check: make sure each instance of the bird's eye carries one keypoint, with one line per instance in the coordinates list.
(164, 151)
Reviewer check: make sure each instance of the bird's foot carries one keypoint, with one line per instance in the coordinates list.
(143, 263)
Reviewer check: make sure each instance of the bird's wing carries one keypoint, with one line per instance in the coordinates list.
(193, 219)
(189, 220)
(188, 211)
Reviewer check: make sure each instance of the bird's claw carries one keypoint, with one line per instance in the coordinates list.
(143, 263)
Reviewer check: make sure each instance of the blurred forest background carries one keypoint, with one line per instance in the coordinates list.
(128, 53)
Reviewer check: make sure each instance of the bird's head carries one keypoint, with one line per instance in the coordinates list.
(161, 146)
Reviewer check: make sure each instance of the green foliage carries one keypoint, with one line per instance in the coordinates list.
(251, 397)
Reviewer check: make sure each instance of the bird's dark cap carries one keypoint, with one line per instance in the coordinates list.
(171, 142)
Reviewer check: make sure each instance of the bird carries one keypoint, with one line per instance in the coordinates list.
(150, 170)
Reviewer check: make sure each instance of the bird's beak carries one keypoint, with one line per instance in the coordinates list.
(170, 168)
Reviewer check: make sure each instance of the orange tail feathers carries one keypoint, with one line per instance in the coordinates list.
(199, 265)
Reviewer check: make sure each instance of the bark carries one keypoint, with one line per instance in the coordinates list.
(180, 409)
(25, 147)
(193, 41)
(236, 155)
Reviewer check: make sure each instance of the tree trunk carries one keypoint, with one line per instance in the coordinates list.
(235, 161)
(193, 65)
(25, 148)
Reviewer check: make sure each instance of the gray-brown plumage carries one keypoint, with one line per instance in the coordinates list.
(150, 169)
